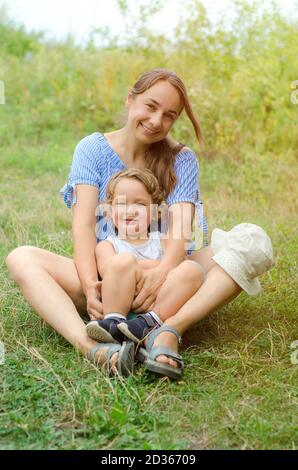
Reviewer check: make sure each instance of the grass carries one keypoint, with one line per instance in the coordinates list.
(239, 390)
(239, 385)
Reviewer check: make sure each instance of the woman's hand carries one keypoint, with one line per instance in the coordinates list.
(94, 305)
(152, 280)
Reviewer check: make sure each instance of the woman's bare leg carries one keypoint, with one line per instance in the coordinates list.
(217, 290)
(50, 284)
(181, 284)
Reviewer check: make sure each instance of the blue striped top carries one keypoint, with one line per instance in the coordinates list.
(95, 161)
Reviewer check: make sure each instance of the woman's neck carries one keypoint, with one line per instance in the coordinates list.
(131, 151)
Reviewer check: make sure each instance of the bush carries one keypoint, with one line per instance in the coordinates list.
(238, 79)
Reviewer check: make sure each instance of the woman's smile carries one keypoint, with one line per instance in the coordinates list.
(147, 130)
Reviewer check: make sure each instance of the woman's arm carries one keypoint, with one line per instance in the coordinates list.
(84, 238)
(182, 205)
(178, 236)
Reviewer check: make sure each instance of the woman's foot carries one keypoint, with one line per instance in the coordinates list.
(160, 355)
(116, 359)
(168, 340)
(100, 358)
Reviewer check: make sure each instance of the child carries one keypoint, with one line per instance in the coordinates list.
(133, 195)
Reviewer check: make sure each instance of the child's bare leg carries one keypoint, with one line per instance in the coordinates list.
(119, 284)
(180, 285)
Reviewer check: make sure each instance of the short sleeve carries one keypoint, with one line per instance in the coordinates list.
(187, 189)
(85, 169)
(187, 172)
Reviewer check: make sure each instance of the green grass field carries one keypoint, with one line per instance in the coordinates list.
(239, 390)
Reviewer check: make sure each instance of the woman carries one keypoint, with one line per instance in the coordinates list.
(59, 288)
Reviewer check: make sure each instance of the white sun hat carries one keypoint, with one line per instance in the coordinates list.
(244, 252)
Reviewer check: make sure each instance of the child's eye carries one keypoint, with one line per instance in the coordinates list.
(150, 106)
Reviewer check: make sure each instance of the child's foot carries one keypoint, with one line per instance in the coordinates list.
(138, 328)
(106, 331)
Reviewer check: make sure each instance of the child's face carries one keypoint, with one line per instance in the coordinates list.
(131, 208)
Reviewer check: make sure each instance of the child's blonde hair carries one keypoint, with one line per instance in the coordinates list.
(144, 176)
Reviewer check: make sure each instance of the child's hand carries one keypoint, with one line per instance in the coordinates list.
(153, 279)
(94, 306)
(140, 281)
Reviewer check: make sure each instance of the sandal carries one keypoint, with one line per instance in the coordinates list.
(149, 354)
(125, 361)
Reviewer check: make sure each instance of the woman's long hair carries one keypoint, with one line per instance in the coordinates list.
(160, 157)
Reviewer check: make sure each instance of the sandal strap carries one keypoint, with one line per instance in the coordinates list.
(152, 335)
(116, 319)
(164, 351)
(111, 349)
(93, 351)
(125, 362)
(149, 320)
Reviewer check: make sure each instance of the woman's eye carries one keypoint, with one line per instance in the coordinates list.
(150, 106)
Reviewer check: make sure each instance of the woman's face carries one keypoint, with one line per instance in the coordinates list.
(131, 208)
(152, 113)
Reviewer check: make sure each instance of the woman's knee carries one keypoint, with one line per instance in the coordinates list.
(204, 258)
(191, 271)
(19, 260)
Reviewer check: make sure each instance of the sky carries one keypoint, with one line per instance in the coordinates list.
(58, 18)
